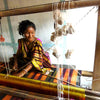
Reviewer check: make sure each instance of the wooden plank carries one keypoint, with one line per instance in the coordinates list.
(44, 87)
(87, 73)
(41, 87)
(96, 73)
(24, 94)
(31, 95)
(48, 7)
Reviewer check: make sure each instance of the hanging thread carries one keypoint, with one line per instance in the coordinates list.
(3, 55)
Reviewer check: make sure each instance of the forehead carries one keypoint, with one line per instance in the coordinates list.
(30, 28)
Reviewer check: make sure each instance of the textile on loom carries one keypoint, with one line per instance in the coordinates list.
(70, 75)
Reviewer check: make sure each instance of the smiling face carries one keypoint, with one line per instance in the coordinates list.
(30, 34)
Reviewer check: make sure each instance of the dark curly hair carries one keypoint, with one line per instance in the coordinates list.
(23, 25)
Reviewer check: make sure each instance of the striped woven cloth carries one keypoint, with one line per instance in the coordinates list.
(68, 75)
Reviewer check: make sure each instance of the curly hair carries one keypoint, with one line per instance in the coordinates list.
(23, 25)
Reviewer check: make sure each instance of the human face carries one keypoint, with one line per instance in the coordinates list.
(30, 34)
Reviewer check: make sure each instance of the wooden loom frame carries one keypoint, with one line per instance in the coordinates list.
(38, 9)
(47, 7)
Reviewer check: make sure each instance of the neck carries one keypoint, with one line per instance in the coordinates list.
(28, 41)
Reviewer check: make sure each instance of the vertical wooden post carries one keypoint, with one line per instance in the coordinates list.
(96, 73)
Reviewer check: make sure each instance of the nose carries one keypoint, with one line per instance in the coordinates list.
(30, 35)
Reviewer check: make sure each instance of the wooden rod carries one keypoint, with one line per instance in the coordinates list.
(48, 7)
(32, 95)
(43, 87)
(92, 93)
(24, 94)
(46, 88)
(88, 97)
(87, 73)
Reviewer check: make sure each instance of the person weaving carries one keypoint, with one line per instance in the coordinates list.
(29, 50)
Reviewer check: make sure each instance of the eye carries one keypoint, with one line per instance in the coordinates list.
(33, 33)
(27, 33)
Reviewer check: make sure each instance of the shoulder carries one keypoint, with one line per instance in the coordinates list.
(20, 40)
(38, 41)
(20, 43)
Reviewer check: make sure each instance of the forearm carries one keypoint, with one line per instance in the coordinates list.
(15, 62)
(24, 71)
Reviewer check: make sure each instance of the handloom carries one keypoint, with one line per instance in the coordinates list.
(69, 75)
(12, 81)
(46, 85)
(43, 87)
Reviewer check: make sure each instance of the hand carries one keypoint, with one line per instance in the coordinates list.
(15, 67)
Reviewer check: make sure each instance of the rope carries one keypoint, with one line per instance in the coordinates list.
(84, 16)
(68, 65)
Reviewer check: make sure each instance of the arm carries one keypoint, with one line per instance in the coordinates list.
(15, 63)
(24, 71)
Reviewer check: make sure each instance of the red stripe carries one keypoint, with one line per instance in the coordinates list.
(43, 78)
(7, 97)
(65, 78)
(74, 77)
(30, 75)
(58, 74)
(37, 76)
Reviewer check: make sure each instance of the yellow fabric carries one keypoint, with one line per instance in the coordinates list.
(25, 55)
(73, 92)
(35, 51)
(36, 65)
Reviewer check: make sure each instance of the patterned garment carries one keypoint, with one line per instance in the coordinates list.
(34, 53)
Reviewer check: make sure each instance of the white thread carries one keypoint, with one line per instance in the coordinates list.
(3, 52)
(8, 68)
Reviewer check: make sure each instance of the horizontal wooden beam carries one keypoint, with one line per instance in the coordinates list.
(32, 95)
(42, 87)
(87, 73)
(48, 7)
(24, 94)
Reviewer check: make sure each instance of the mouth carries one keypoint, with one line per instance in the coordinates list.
(30, 39)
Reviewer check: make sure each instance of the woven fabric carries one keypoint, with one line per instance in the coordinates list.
(68, 75)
